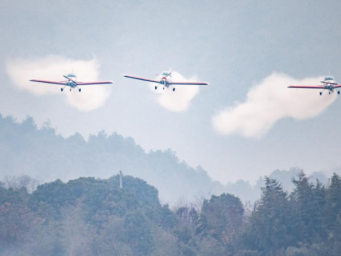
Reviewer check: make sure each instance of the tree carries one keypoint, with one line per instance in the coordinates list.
(221, 219)
(138, 234)
(333, 215)
(308, 201)
(270, 230)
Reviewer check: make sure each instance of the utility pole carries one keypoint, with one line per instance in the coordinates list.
(121, 180)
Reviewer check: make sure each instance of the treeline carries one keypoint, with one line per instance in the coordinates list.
(91, 216)
(304, 222)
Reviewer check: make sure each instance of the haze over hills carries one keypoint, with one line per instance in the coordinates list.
(45, 155)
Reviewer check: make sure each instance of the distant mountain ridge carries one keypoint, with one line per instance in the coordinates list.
(46, 155)
(43, 154)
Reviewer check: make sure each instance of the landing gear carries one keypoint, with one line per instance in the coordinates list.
(320, 93)
(79, 89)
(338, 92)
(173, 89)
(155, 87)
(70, 89)
(163, 88)
(61, 89)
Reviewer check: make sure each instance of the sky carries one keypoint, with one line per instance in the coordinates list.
(245, 124)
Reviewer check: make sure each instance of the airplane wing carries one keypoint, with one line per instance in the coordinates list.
(142, 79)
(93, 83)
(188, 83)
(306, 86)
(48, 82)
(337, 86)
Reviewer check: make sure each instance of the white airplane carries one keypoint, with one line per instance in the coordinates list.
(165, 80)
(71, 81)
(328, 84)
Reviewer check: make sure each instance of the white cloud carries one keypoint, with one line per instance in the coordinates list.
(179, 100)
(270, 101)
(53, 68)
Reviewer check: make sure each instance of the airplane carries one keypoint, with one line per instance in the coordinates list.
(71, 80)
(328, 84)
(166, 80)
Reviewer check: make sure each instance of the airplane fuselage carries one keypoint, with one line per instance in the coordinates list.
(71, 83)
(329, 87)
(329, 83)
(164, 81)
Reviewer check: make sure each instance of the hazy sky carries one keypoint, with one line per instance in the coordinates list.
(236, 46)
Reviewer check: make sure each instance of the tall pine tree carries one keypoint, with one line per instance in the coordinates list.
(269, 230)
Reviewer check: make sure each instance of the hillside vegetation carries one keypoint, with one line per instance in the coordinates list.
(91, 216)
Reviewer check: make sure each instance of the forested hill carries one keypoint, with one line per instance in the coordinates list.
(91, 217)
(45, 155)
(86, 216)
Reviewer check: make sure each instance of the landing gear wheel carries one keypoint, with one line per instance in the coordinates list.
(61, 89)
(320, 93)
(155, 87)
(79, 89)
(173, 89)
(338, 92)
(70, 89)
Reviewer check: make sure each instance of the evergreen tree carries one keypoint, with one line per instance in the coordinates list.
(307, 202)
(221, 219)
(269, 230)
(333, 215)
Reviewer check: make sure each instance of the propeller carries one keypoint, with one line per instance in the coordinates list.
(69, 79)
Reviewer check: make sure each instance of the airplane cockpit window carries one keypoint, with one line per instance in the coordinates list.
(329, 78)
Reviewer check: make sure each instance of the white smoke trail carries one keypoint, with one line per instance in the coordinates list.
(53, 68)
(179, 100)
(270, 101)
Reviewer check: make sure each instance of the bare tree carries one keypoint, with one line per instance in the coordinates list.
(22, 181)
(77, 235)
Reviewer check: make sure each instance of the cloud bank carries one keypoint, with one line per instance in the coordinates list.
(179, 100)
(53, 68)
(270, 101)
